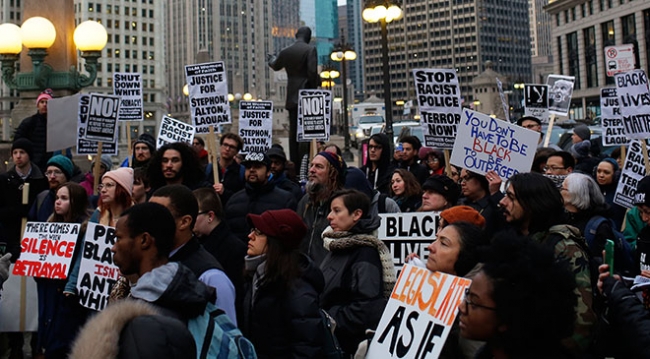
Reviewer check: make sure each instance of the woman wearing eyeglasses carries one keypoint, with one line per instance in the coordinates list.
(520, 302)
(281, 307)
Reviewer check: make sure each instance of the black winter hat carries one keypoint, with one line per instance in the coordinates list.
(148, 140)
(24, 144)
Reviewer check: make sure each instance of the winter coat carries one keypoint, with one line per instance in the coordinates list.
(232, 178)
(381, 176)
(34, 128)
(283, 182)
(256, 200)
(133, 329)
(488, 208)
(315, 218)
(603, 232)
(616, 212)
(359, 276)
(420, 171)
(285, 323)
(633, 226)
(410, 204)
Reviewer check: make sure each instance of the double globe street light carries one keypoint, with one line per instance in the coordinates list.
(343, 52)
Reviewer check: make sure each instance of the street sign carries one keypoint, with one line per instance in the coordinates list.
(619, 58)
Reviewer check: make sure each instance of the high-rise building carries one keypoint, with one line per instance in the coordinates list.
(285, 21)
(540, 40)
(460, 34)
(354, 36)
(322, 17)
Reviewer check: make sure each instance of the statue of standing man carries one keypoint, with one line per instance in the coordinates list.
(301, 64)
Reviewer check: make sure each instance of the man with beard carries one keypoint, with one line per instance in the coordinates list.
(176, 163)
(278, 164)
(327, 174)
(143, 150)
(534, 208)
(57, 171)
(231, 173)
(378, 169)
(258, 195)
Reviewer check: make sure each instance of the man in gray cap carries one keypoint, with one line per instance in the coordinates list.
(581, 133)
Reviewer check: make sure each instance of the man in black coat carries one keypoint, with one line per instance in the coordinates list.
(278, 164)
(378, 169)
(34, 128)
(258, 195)
(301, 64)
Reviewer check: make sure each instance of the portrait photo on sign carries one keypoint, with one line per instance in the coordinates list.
(560, 91)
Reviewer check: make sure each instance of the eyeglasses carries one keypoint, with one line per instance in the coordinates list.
(228, 146)
(553, 168)
(106, 185)
(256, 231)
(469, 303)
(204, 212)
(53, 173)
(374, 148)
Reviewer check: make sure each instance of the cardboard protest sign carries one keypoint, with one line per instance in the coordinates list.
(486, 143)
(101, 123)
(419, 315)
(46, 250)
(504, 102)
(632, 172)
(619, 58)
(255, 125)
(405, 233)
(86, 147)
(208, 87)
(536, 101)
(314, 115)
(173, 130)
(97, 273)
(634, 102)
(611, 119)
(129, 87)
(438, 96)
(560, 92)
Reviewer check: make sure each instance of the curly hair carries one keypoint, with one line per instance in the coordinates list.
(534, 295)
(191, 169)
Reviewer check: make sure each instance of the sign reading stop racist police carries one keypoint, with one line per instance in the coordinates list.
(102, 118)
(634, 101)
(46, 250)
(485, 143)
(208, 88)
(632, 172)
(255, 125)
(173, 130)
(419, 315)
(405, 233)
(611, 119)
(314, 115)
(97, 273)
(438, 96)
(87, 147)
(129, 87)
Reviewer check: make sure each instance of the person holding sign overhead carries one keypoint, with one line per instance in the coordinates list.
(358, 269)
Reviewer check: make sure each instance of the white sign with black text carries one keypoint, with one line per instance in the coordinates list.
(611, 119)
(102, 118)
(173, 130)
(314, 115)
(129, 87)
(634, 102)
(536, 101)
(208, 88)
(88, 147)
(255, 125)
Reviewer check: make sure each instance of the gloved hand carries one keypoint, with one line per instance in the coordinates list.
(4, 267)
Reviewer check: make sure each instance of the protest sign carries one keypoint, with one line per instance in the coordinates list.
(634, 102)
(405, 233)
(61, 117)
(255, 125)
(632, 172)
(536, 101)
(97, 273)
(438, 96)
(486, 143)
(208, 88)
(419, 315)
(619, 58)
(173, 130)
(611, 120)
(46, 250)
(101, 123)
(504, 102)
(86, 147)
(560, 92)
(129, 87)
(314, 115)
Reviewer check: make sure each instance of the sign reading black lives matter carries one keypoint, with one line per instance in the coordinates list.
(611, 119)
(87, 147)
(633, 171)
(314, 115)
(97, 273)
(536, 101)
(438, 96)
(129, 87)
(208, 88)
(255, 125)
(405, 233)
(102, 118)
(634, 102)
(173, 130)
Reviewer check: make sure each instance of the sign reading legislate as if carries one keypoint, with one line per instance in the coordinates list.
(419, 314)
(97, 273)
(208, 88)
(255, 125)
(438, 95)
(485, 143)
(46, 250)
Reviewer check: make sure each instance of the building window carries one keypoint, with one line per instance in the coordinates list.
(566, 16)
(628, 25)
(591, 7)
(559, 52)
(607, 33)
(583, 10)
(91, 7)
(109, 9)
(109, 67)
(591, 56)
(99, 8)
(574, 58)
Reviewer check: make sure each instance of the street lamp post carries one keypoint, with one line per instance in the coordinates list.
(328, 74)
(344, 52)
(384, 11)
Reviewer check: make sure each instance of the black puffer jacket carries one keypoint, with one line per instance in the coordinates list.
(255, 200)
(34, 128)
(286, 324)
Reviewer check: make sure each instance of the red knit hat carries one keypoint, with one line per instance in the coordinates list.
(463, 214)
(285, 225)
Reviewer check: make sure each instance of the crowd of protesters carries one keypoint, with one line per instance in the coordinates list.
(272, 254)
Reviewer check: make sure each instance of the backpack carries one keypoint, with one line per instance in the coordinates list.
(331, 347)
(623, 253)
(216, 337)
